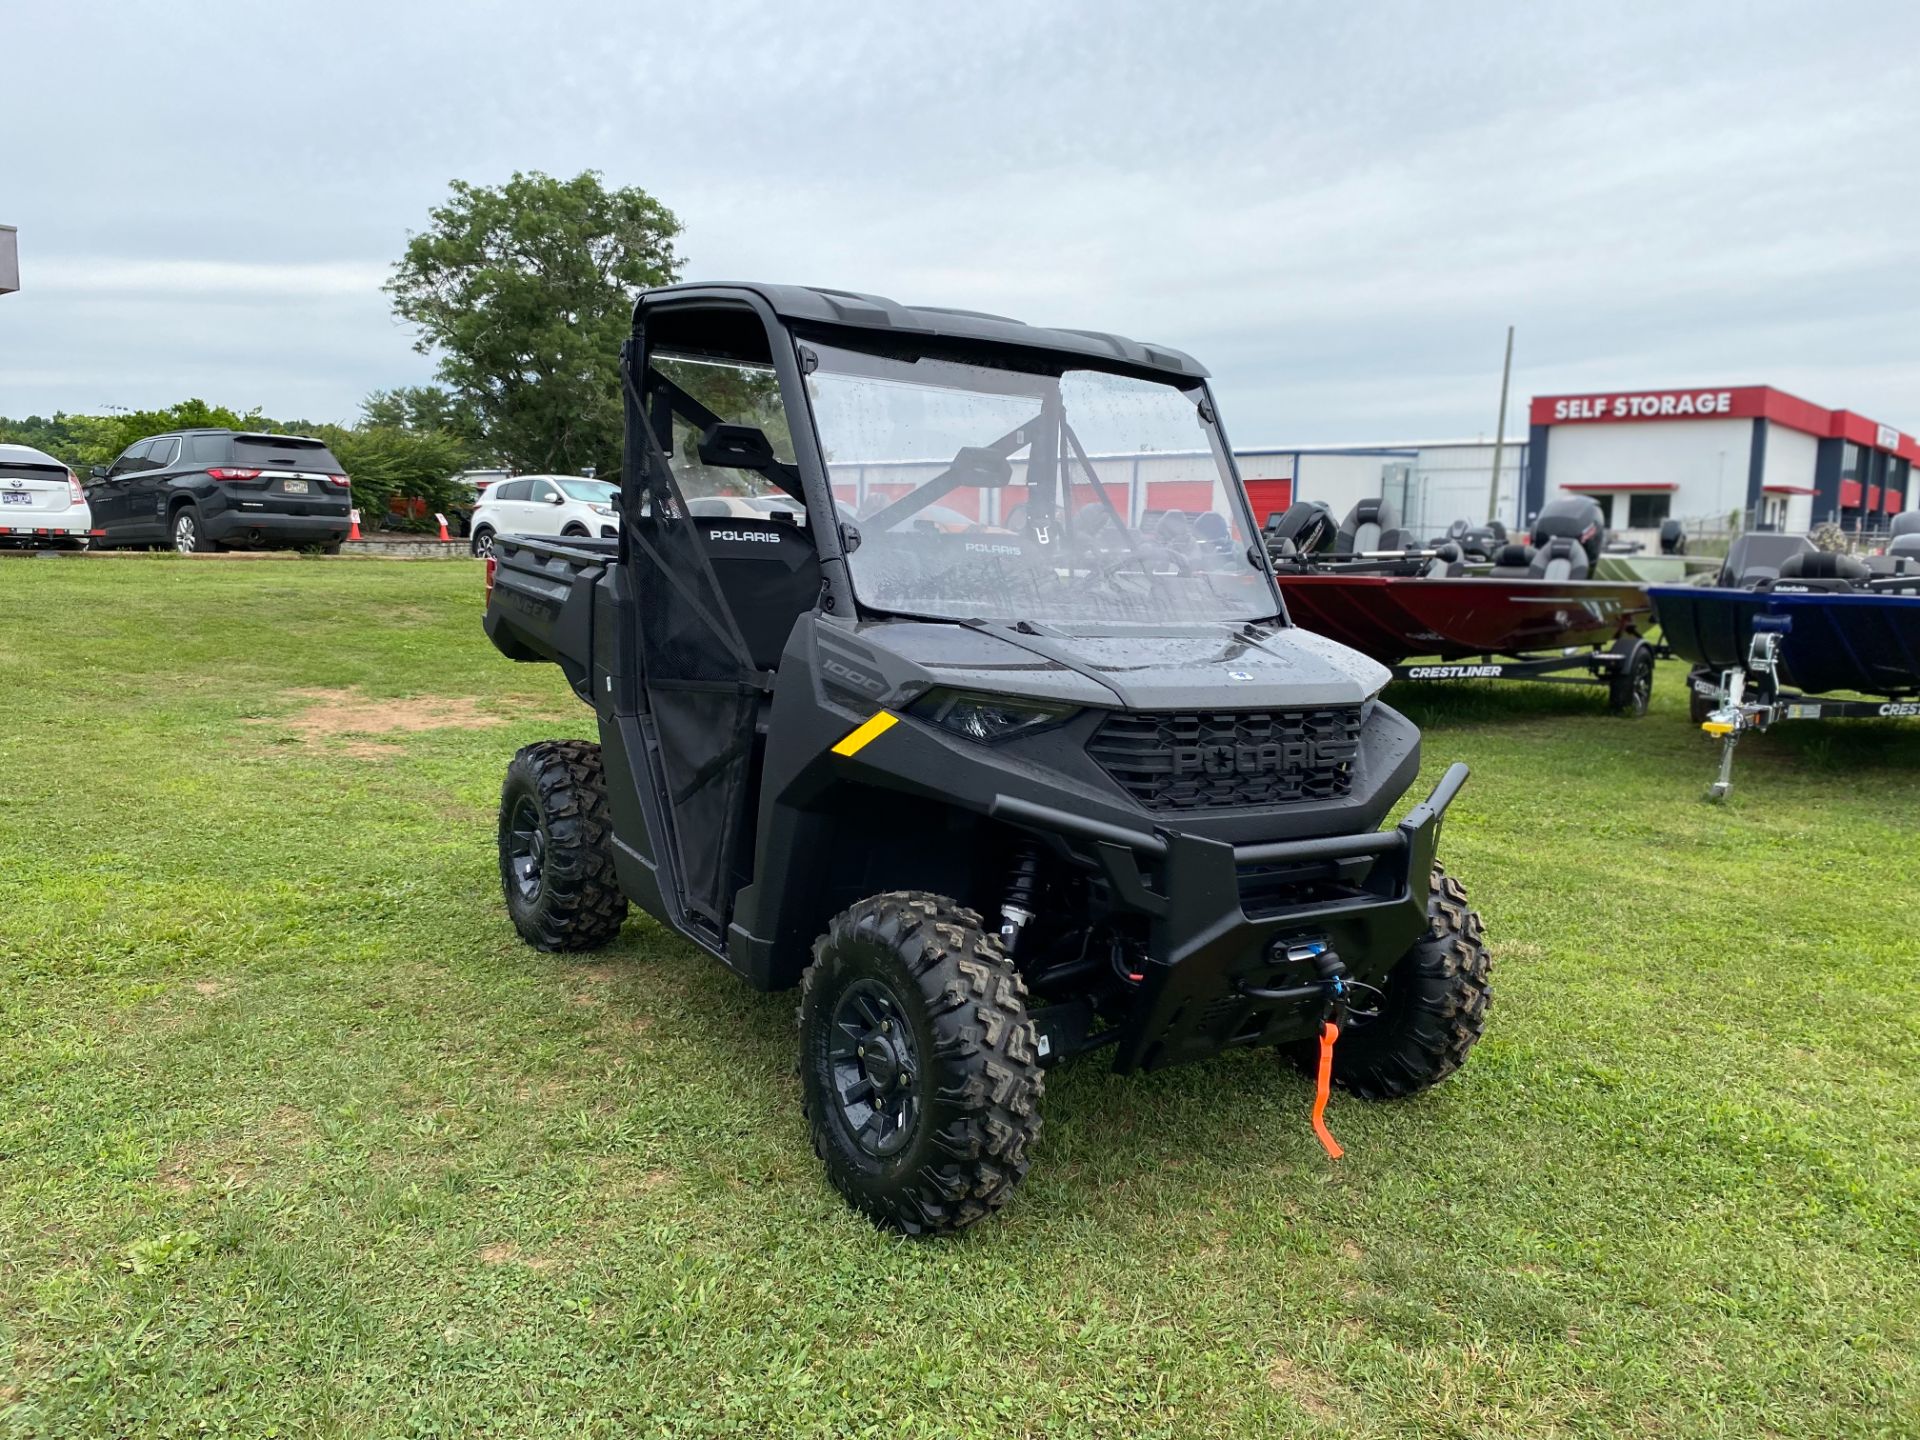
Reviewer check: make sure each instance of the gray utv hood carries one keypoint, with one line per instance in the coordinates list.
(1223, 667)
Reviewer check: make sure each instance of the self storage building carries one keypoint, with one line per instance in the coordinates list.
(1707, 456)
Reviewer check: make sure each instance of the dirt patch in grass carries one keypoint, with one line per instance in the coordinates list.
(347, 718)
(506, 1253)
(1309, 1389)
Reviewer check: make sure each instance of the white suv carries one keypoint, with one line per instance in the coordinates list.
(544, 505)
(41, 502)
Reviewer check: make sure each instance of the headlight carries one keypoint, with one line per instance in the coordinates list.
(601, 509)
(987, 718)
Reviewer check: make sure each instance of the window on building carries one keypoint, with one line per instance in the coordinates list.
(1850, 462)
(1645, 512)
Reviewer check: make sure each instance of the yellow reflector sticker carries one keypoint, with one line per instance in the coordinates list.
(1711, 727)
(866, 734)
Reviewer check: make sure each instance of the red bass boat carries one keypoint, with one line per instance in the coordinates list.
(1531, 615)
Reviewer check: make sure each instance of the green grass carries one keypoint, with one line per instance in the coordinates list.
(296, 1138)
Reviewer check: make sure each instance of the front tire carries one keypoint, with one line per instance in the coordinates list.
(556, 848)
(919, 1068)
(1432, 1007)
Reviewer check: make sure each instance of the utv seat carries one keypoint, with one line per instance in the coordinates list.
(770, 575)
(1562, 558)
(1512, 561)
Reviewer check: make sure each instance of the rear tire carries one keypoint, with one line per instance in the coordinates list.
(556, 848)
(919, 1067)
(482, 542)
(1433, 1007)
(188, 533)
(1630, 690)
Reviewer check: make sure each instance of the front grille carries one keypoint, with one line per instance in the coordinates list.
(1214, 760)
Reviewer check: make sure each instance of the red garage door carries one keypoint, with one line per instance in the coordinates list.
(1268, 497)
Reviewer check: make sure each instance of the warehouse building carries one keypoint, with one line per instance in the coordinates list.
(1746, 455)
(1430, 483)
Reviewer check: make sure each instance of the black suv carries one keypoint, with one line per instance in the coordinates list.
(213, 489)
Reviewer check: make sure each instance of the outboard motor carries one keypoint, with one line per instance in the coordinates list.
(1307, 525)
(1575, 518)
(1673, 538)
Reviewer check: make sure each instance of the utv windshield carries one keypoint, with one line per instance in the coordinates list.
(1048, 494)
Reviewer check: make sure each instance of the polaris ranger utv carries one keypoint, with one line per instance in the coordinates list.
(940, 672)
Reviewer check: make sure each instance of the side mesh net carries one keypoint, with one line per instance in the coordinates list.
(702, 687)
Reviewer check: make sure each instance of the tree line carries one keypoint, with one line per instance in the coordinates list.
(522, 293)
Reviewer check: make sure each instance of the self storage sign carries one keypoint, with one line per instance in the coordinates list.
(1656, 405)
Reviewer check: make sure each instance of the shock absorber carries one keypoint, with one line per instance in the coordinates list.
(1023, 890)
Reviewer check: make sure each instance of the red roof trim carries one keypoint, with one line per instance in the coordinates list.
(1617, 485)
(1788, 489)
(1741, 402)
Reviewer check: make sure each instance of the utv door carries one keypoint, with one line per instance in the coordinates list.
(717, 595)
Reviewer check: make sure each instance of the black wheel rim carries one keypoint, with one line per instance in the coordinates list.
(1643, 687)
(875, 1068)
(526, 849)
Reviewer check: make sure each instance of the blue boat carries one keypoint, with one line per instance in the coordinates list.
(1867, 642)
(1794, 633)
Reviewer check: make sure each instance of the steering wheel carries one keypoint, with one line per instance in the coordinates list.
(1180, 563)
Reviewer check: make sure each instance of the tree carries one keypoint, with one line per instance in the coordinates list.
(524, 292)
(422, 408)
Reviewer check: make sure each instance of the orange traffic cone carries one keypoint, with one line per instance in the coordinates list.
(353, 524)
(444, 536)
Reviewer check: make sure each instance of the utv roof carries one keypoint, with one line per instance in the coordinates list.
(848, 309)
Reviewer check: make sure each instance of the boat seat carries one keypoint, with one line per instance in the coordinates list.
(1370, 525)
(1820, 570)
(1906, 523)
(1757, 557)
(1512, 561)
(1902, 557)
(1563, 558)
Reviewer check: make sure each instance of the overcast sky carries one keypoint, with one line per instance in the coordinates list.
(1337, 207)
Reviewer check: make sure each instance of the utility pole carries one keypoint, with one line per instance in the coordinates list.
(1500, 434)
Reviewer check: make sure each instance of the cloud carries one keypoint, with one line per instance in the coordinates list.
(1338, 209)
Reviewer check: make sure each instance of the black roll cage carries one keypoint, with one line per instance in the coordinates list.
(791, 362)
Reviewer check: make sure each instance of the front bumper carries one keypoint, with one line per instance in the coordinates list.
(1221, 917)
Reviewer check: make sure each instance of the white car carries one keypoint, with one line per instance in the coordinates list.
(41, 502)
(544, 505)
